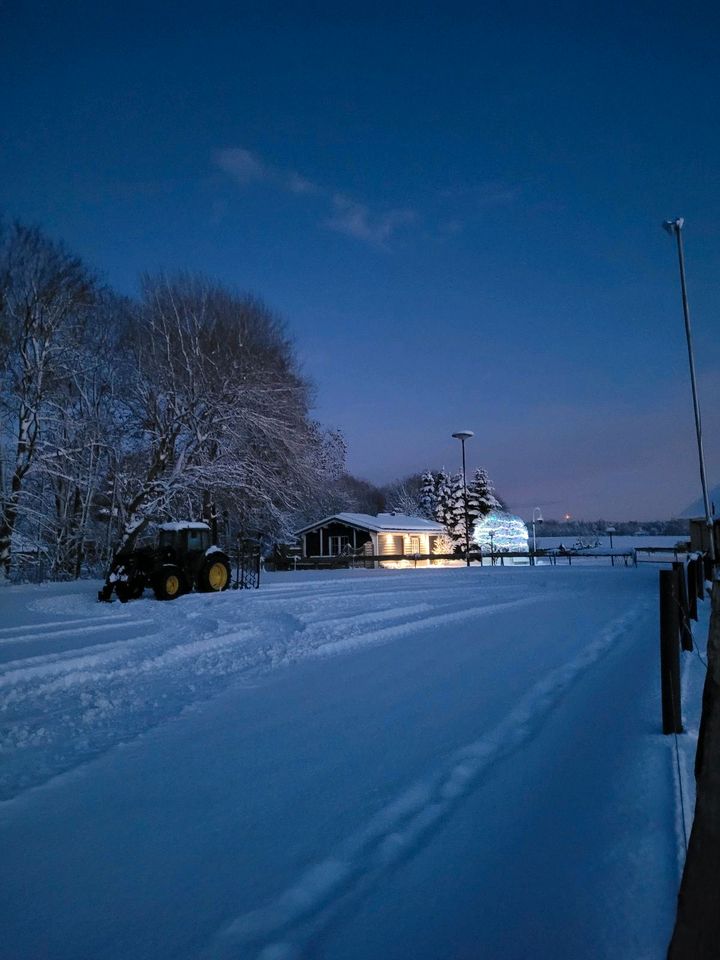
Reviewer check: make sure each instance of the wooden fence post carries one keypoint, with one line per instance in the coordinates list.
(700, 577)
(692, 590)
(697, 926)
(686, 637)
(670, 653)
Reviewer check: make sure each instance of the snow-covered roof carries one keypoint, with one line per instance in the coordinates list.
(183, 525)
(382, 523)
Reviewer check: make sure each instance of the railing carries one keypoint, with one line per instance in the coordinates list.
(348, 560)
(677, 552)
(697, 926)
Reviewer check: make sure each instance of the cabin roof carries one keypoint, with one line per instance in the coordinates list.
(382, 523)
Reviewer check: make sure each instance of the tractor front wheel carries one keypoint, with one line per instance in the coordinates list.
(214, 575)
(131, 589)
(169, 583)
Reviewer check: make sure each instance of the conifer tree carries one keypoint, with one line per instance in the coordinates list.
(457, 510)
(428, 495)
(446, 504)
(481, 497)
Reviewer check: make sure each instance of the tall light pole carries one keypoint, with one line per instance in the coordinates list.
(462, 436)
(674, 227)
(536, 518)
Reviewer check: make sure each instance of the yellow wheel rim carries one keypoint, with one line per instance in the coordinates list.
(218, 576)
(172, 585)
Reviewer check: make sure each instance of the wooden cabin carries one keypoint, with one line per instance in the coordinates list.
(387, 534)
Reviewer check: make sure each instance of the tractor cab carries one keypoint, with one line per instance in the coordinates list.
(184, 537)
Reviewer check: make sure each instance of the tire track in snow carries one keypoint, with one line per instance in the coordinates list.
(52, 624)
(383, 635)
(71, 631)
(281, 929)
(62, 709)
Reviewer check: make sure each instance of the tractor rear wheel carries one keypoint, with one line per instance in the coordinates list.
(214, 575)
(169, 583)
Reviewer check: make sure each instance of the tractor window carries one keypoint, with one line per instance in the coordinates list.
(197, 539)
(167, 539)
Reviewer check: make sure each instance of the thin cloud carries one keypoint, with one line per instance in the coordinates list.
(244, 167)
(356, 220)
(301, 185)
(347, 216)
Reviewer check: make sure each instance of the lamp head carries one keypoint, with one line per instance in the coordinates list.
(672, 226)
(463, 435)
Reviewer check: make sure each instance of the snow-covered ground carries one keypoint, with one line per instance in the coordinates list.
(442, 763)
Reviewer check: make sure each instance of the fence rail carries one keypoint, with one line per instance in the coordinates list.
(496, 558)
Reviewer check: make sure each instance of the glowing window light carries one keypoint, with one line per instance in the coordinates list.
(501, 532)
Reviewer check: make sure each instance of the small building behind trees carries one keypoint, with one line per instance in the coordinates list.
(357, 534)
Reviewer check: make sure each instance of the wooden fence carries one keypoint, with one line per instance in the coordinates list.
(697, 926)
(496, 558)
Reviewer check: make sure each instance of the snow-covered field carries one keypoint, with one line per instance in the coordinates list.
(619, 543)
(359, 764)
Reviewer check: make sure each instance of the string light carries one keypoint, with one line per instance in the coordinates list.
(501, 532)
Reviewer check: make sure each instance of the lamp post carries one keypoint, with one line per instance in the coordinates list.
(462, 436)
(674, 227)
(537, 517)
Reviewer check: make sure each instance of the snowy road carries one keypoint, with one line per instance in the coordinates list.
(451, 763)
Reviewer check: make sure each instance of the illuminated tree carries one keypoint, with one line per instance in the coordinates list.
(501, 532)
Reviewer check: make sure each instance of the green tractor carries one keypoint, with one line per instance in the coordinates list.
(183, 559)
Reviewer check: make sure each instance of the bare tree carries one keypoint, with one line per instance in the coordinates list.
(82, 435)
(406, 495)
(44, 293)
(220, 409)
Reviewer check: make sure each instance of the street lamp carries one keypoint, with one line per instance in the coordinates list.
(537, 517)
(462, 436)
(674, 227)
(610, 531)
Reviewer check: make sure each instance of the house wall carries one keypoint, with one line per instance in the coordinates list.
(406, 544)
(390, 543)
(416, 543)
(311, 544)
(700, 535)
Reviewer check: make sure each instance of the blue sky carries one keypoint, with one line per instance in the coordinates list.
(456, 209)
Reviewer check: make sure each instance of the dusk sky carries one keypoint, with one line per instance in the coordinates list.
(457, 210)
